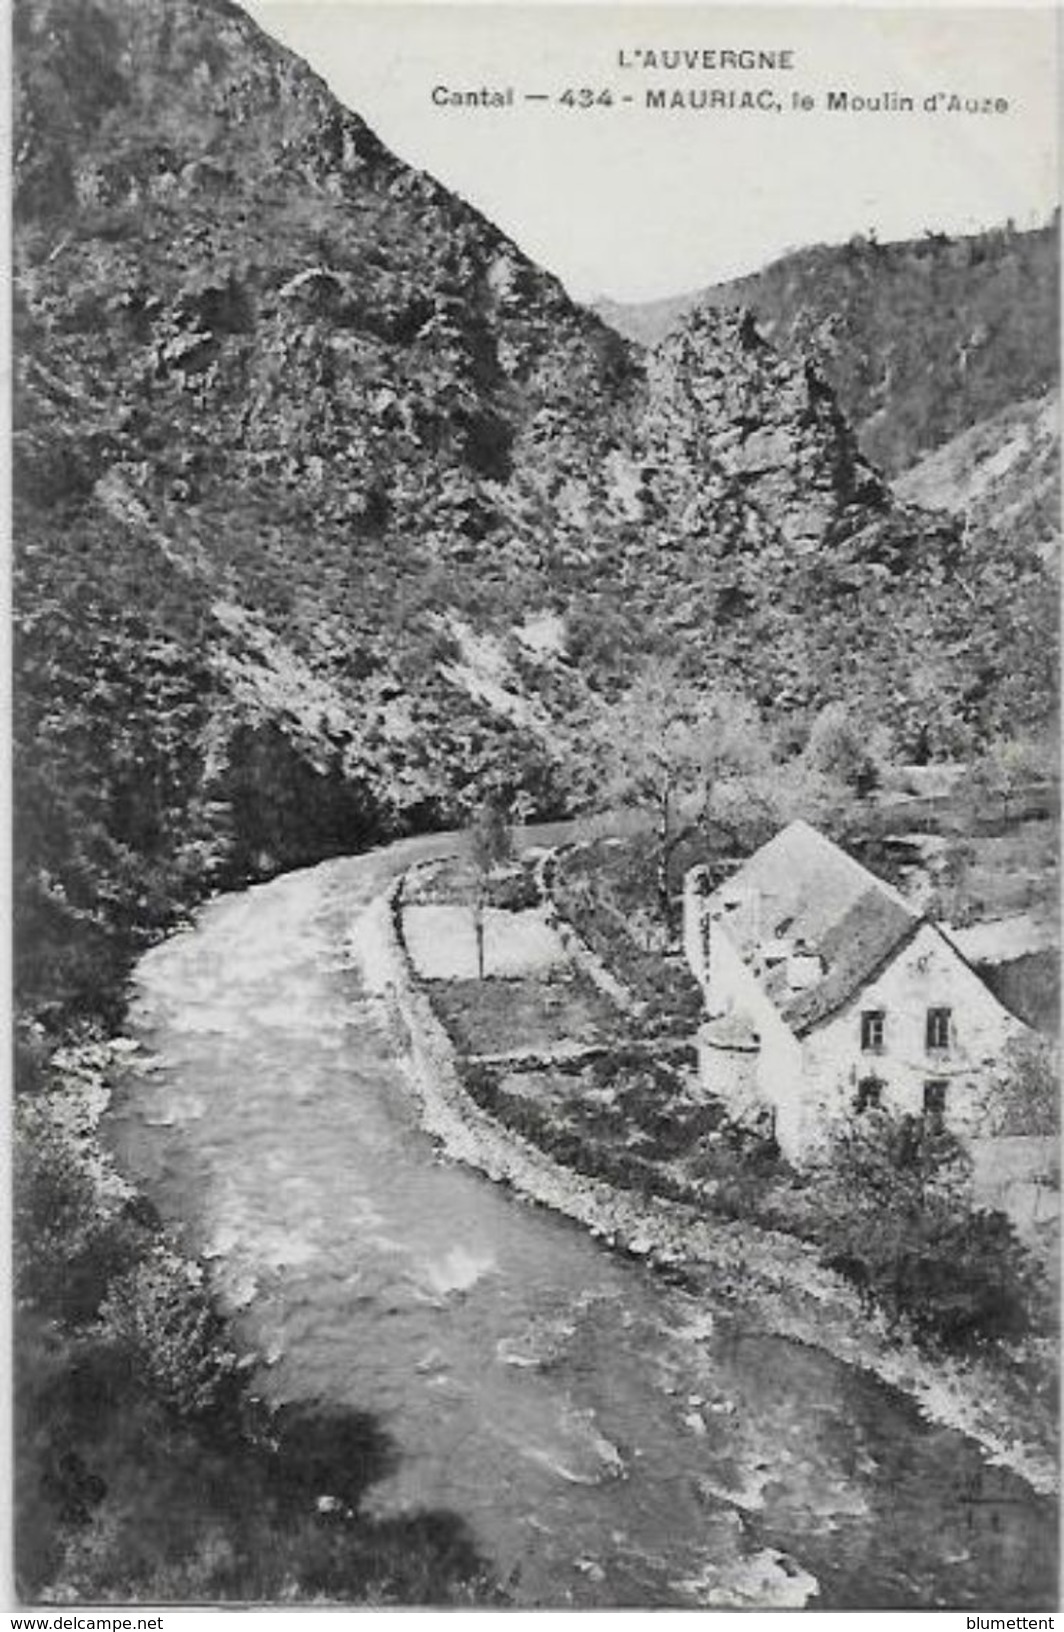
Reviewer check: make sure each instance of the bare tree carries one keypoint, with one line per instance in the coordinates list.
(491, 845)
(664, 745)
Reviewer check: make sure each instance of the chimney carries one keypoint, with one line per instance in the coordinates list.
(804, 967)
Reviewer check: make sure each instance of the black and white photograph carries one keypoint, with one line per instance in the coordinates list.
(534, 720)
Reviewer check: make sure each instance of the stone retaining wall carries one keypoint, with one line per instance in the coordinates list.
(777, 1280)
(587, 961)
(590, 964)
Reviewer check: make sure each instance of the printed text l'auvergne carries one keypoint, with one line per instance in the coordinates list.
(700, 59)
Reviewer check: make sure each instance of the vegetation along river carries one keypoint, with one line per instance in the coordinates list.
(609, 1439)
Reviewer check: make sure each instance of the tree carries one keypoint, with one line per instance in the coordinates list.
(895, 1211)
(754, 806)
(951, 899)
(664, 745)
(1007, 767)
(491, 845)
(1025, 1095)
(839, 748)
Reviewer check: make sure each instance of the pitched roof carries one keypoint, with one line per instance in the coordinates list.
(802, 892)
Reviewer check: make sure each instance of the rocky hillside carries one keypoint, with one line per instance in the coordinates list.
(1002, 476)
(332, 510)
(921, 339)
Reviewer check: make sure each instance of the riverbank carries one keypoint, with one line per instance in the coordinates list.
(774, 1279)
(149, 1465)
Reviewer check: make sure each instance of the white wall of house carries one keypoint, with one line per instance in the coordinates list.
(926, 974)
(733, 989)
(730, 1075)
(811, 1083)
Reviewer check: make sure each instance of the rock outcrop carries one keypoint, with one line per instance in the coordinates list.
(921, 339)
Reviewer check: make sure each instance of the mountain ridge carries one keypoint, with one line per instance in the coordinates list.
(978, 314)
(303, 443)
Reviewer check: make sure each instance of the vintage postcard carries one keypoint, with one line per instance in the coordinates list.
(535, 621)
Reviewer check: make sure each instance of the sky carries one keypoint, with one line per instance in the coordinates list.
(636, 202)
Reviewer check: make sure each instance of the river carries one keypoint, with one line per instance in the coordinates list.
(610, 1440)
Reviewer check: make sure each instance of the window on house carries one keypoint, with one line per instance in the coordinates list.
(872, 1030)
(869, 1095)
(938, 1028)
(935, 1104)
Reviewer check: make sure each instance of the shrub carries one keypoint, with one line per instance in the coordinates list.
(160, 1312)
(895, 1215)
(1026, 1094)
(72, 1231)
(838, 747)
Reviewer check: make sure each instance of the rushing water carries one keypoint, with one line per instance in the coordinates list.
(608, 1442)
